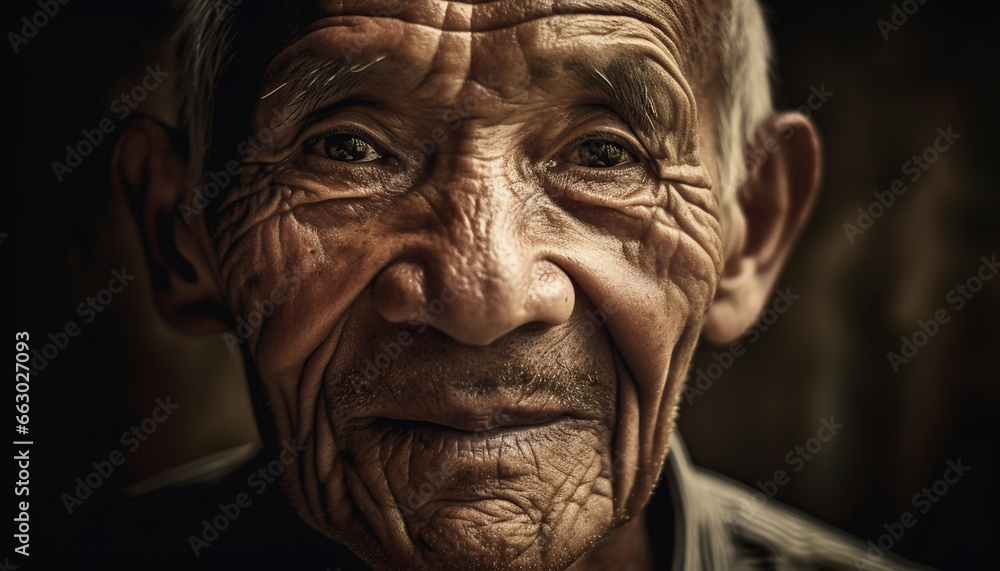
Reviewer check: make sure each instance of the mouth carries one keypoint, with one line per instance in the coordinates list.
(471, 429)
(477, 419)
(460, 434)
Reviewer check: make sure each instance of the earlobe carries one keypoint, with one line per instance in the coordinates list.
(763, 222)
(149, 170)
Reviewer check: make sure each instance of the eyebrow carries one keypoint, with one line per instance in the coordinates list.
(313, 81)
(626, 82)
(310, 82)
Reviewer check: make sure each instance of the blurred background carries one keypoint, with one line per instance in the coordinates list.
(859, 293)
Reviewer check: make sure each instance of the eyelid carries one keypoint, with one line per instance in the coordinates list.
(339, 130)
(326, 114)
(598, 119)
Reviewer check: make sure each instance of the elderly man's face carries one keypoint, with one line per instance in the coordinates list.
(506, 239)
(487, 240)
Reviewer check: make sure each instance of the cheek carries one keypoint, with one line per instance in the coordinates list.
(681, 254)
(657, 273)
(657, 283)
(302, 260)
(660, 319)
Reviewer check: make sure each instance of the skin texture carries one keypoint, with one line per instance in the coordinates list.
(480, 345)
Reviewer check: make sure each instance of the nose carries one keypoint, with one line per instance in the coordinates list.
(478, 308)
(478, 278)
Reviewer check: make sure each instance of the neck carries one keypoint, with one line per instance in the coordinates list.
(627, 549)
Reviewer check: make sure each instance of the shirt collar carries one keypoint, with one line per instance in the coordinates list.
(694, 525)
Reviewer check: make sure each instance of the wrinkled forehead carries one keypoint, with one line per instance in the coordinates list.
(670, 24)
(672, 16)
(518, 43)
(298, 52)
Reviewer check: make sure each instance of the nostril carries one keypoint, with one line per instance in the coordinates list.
(552, 294)
(398, 291)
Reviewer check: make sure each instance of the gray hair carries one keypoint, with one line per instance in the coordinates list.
(204, 48)
(745, 99)
(203, 45)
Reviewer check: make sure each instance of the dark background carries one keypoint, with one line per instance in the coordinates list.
(825, 356)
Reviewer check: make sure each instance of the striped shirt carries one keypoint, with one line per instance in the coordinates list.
(719, 524)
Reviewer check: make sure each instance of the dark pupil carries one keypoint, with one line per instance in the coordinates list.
(346, 147)
(602, 153)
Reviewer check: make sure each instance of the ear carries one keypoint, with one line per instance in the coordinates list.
(763, 221)
(150, 171)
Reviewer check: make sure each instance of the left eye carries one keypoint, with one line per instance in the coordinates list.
(600, 153)
(346, 147)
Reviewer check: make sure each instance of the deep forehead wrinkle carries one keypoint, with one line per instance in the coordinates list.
(677, 19)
